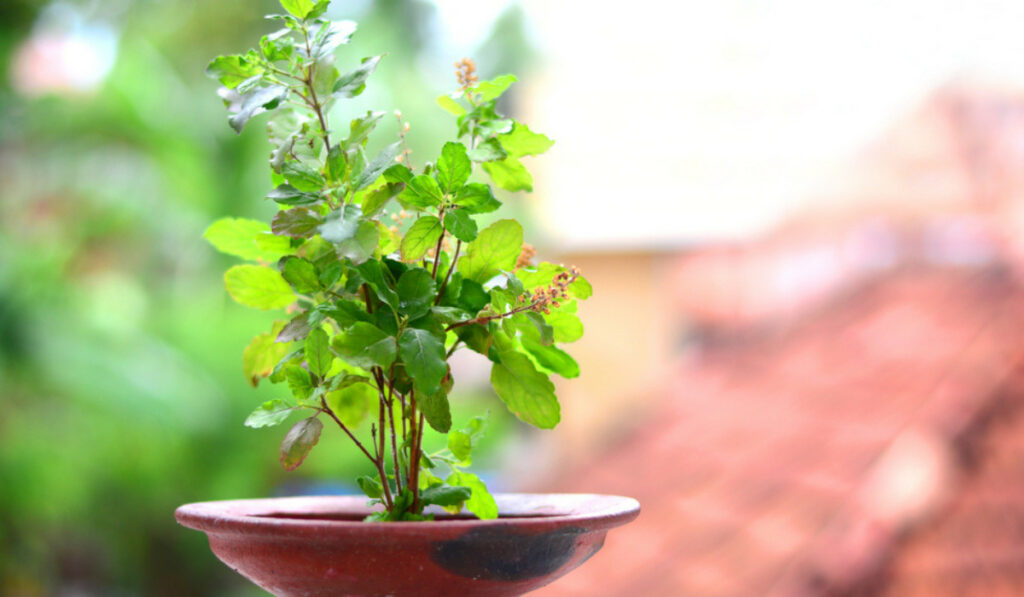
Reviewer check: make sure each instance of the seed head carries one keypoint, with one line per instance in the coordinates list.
(465, 72)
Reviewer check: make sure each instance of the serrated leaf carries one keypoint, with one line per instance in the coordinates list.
(353, 82)
(416, 292)
(420, 238)
(237, 236)
(233, 70)
(567, 326)
(301, 274)
(509, 174)
(370, 486)
(460, 445)
(496, 248)
(298, 222)
(286, 194)
(480, 501)
(318, 353)
(453, 167)
(296, 329)
(421, 191)
(299, 441)
(487, 151)
(477, 198)
(445, 495)
(270, 413)
(361, 246)
(262, 354)
(424, 358)
(448, 104)
(361, 127)
(373, 201)
(365, 345)
(493, 89)
(302, 177)
(337, 162)
(299, 382)
(255, 102)
(522, 141)
(552, 358)
(436, 410)
(341, 224)
(373, 273)
(460, 224)
(298, 8)
(527, 392)
(258, 287)
(381, 162)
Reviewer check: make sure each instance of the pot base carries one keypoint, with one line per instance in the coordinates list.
(313, 546)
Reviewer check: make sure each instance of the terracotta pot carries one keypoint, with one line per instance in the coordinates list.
(320, 546)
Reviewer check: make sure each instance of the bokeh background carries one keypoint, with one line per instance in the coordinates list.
(801, 220)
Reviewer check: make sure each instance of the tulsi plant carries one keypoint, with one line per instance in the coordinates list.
(384, 272)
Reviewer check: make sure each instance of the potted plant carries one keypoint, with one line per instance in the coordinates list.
(384, 273)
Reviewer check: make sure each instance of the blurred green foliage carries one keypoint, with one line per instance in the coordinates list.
(121, 392)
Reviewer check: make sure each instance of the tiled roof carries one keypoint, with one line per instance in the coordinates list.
(873, 446)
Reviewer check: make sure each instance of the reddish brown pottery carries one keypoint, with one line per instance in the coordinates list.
(312, 546)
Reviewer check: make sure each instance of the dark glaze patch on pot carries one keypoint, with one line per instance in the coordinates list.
(498, 554)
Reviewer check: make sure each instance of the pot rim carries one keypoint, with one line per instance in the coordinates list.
(277, 516)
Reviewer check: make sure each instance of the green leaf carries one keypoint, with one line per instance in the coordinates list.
(373, 201)
(365, 345)
(460, 445)
(373, 273)
(488, 151)
(473, 297)
(286, 194)
(262, 354)
(453, 167)
(448, 104)
(299, 441)
(299, 382)
(361, 246)
(416, 292)
(567, 326)
(353, 82)
(370, 486)
(298, 222)
(258, 287)
(480, 502)
(277, 45)
(255, 102)
(420, 238)
(492, 89)
(421, 191)
(460, 224)
(301, 274)
(383, 160)
(318, 353)
(337, 162)
(298, 8)
(351, 403)
(296, 329)
(326, 38)
(445, 495)
(477, 198)
(341, 224)
(237, 236)
(552, 358)
(436, 410)
(527, 392)
(361, 127)
(522, 141)
(302, 177)
(424, 358)
(233, 70)
(399, 173)
(496, 248)
(270, 413)
(509, 174)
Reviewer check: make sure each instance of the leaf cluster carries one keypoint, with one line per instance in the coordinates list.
(375, 311)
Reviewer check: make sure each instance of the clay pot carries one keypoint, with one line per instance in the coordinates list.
(313, 546)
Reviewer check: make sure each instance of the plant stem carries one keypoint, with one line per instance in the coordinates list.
(485, 319)
(437, 248)
(317, 108)
(359, 444)
(415, 484)
(448, 276)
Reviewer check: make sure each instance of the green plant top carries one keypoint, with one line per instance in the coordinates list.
(384, 271)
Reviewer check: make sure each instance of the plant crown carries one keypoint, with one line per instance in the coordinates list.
(384, 271)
